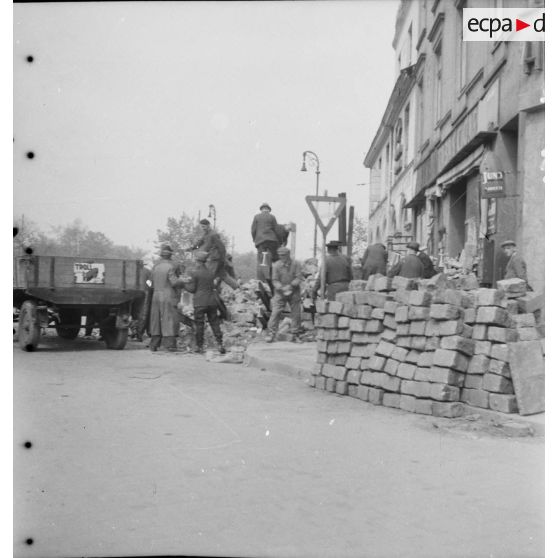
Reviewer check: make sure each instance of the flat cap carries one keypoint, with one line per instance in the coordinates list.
(508, 243)
(266, 205)
(413, 246)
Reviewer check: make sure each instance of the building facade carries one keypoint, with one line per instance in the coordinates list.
(477, 164)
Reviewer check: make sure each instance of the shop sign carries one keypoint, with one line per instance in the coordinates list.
(492, 185)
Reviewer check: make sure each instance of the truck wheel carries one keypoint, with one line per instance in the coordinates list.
(72, 319)
(29, 329)
(115, 338)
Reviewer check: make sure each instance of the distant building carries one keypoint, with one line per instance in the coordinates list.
(478, 146)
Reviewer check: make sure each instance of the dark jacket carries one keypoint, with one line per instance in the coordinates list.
(264, 228)
(516, 268)
(212, 244)
(282, 234)
(374, 260)
(429, 269)
(410, 266)
(202, 286)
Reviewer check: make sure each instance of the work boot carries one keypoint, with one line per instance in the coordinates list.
(198, 350)
(222, 349)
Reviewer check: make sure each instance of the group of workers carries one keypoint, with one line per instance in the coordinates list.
(275, 266)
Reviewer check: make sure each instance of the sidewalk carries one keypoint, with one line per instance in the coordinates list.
(297, 360)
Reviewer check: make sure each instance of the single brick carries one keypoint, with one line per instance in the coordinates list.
(328, 370)
(382, 283)
(419, 313)
(448, 376)
(410, 387)
(473, 381)
(341, 388)
(418, 342)
(320, 382)
(470, 315)
(445, 312)
(357, 325)
(390, 307)
(347, 297)
(391, 366)
(423, 406)
(505, 403)
(527, 334)
(321, 306)
(420, 298)
(478, 364)
(378, 313)
(496, 384)
(374, 326)
(413, 356)
(340, 360)
(458, 343)
(375, 395)
(406, 371)
(349, 310)
(467, 331)
(361, 299)
(484, 347)
(448, 410)
(490, 297)
(328, 320)
(391, 400)
(321, 346)
(512, 307)
(501, 334)
(362, 338)
(417, 328)
(389, 335)
(385, 348)
(376, 299)
(317, 369)
(500, 351)
(352, 390)
(377, 363)
(343, 322)
(362, 393)
(500, 368)
(524, 320)
(475, 397)
(399, 353)
(330, 384)
(480, 332)
(432, 328)
(432, 343)
(390, 383)
(405, 341)
(493, 315)
(407, 403)
(450, 359)
(343, 347)
(321, 358)
(405, 283)
(353, 376)
(353, 362)
(364, 364)
(422, 374)
(359, 351)
(402, 314)
(340, 373)
(389, 321)
(443, 392)
(367, 378)
(335, 307)
(452, 327)
(403, 329)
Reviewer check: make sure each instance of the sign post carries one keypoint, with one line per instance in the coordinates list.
(326, 210)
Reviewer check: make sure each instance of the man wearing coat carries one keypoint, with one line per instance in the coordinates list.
(374, 260)
(410, 266)
(211, 243)
(516, 266)
(286, 276)
(266, 237)
(164, 314)
(338, 272)
(200, 283)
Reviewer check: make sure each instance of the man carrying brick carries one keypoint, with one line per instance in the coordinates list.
(286, 276)
(338, 273)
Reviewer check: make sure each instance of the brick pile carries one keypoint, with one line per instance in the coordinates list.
(421, 346)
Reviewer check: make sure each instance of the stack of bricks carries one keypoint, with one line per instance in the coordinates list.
(425, 350)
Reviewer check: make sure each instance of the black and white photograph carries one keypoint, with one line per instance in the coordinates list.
(278, 279)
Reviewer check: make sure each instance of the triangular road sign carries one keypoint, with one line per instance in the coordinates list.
(325, 209)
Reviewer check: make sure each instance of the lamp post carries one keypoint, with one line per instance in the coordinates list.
(313, 159)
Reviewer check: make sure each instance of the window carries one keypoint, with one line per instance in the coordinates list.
(406, 113)
(438, 84)
(420, 114)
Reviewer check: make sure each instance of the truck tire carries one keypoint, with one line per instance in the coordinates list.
(73, 318)
(115, 338)
(29, 329)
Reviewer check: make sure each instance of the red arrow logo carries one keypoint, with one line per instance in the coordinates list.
(520, 24)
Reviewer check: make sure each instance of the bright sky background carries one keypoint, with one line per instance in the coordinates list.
(139, 111)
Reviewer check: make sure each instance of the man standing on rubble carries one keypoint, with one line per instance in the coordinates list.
(286, 276)
(265, 234)
(410, 266)
(338, 272)
(516, 266)
(200, 283)
(164, 314)
(374, 260)
(211, 243)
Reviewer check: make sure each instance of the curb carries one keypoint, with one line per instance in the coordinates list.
(272, 365)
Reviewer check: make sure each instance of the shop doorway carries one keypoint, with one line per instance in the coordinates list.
(457, 213)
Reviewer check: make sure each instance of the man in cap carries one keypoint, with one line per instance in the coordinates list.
(516, 266)
(286, 276)
(427, 263)
(211, 243)
(200, 283)
(410, 266)
(374, 260)
(265, 234)
(164, 315)
(338, 272)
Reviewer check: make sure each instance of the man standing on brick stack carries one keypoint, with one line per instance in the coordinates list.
(211, 243)
(265, 234)
(286, 276)
(410, 266)
(338, 272)
(164, 314)
(516, 266)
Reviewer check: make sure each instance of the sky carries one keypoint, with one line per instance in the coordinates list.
(137, 112)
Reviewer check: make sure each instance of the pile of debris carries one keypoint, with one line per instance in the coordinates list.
(430, 345)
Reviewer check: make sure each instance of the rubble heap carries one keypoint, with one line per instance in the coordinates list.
(425, 346)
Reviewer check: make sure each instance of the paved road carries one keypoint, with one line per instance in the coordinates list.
(134, 453)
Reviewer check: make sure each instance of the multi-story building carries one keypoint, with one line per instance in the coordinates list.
(479, 136)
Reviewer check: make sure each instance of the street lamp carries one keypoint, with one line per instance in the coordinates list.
(314, 161)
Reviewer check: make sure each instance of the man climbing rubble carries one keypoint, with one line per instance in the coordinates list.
(286, 276)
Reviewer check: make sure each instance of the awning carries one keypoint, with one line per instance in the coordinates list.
(462, 169)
